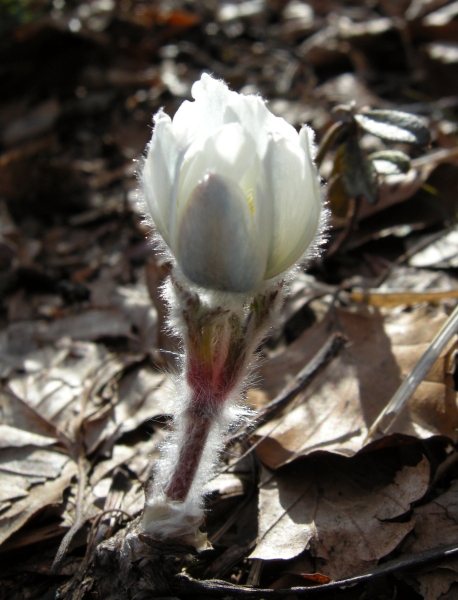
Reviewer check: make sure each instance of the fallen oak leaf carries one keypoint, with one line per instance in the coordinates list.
(437, 519)
(424, 365)
(338, 508)
(335, 412)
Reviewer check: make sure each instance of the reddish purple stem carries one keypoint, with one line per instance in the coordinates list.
(197, 430)
(210, 385)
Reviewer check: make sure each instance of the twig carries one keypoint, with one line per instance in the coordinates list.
(437, 157)
(322, 358)
(391, 411)
(184, 586)
(79, 516)
(391, 298)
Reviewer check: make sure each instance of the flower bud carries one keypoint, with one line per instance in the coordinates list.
(231, 188)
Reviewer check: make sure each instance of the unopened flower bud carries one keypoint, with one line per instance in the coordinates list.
(231, 188)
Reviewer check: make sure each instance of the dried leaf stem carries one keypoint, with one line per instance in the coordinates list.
(392, 410)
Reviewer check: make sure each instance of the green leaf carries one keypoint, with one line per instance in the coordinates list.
(388, 162)
(359, 174)
(394, 126)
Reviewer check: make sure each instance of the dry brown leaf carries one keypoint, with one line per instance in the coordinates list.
(56, 392)
(14, 486)
(14, 437)
(435, 585)
(52, 390)
(25, 336)
(18, 414)
(121, 454)
(147, 454)
(443, 252)
(344, 88)
(451, 594)
(436, 523)
(42, 406)
(136, 305)
(90, 325)
(39, 496)
(142, 395)
(140, 459)
(338, 508)
(336, 411)
(31, 461)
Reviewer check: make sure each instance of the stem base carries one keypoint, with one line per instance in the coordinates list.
(177, 522)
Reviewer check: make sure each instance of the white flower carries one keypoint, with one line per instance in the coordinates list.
(231, 188)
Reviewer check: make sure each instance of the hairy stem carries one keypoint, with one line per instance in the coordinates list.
(196, 434)
(218, 346)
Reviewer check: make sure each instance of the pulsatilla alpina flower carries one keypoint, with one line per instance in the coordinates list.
(234, 193)
(231, 188)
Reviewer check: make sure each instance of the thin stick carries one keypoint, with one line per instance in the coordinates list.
(186, 587)
(79, 517)
(322, 358)
(391, 411)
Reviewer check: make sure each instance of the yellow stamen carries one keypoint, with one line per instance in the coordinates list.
(250, 198)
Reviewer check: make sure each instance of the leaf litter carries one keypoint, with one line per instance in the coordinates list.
(39, 410)
(335, 413)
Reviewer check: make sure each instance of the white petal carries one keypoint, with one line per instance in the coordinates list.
(197, 120)
(296, 201)
(312, 178)
(217, 242)
(160, 173)
(229, 152)
(257, 120)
